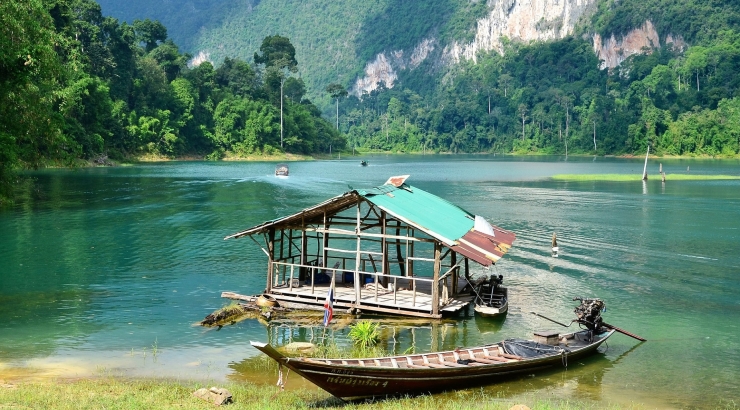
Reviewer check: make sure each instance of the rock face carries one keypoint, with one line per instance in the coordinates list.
(523, 20)
(377, 71)
(516, 20)
(199, 58)
(640, 40)
(381, 70)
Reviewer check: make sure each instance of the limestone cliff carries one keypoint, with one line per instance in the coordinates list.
(516, 20)
(640, 40)
(382, 68)
(522, 20)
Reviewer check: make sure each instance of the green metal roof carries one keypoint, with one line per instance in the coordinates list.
(471, 236)
(435, 216)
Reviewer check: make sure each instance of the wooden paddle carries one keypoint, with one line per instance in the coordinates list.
(622, 331)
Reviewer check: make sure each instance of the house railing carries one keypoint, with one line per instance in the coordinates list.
(287, 276)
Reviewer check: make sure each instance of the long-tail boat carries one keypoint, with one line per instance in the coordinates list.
(350, 379)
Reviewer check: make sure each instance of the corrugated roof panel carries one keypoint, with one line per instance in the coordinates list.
(483, 248)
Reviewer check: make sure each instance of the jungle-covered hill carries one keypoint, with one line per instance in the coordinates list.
(528, 96)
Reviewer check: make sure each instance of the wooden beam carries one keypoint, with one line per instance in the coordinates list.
(435, 282)
(410, 257)
(453, 261)
(369, 235)
(399, 257)
(325, 243)
(357, 257)
(384, 246)
(304, 249)
(271, 252)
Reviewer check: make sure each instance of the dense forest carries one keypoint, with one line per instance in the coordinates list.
(76, 85)
(553, 98)
(549, 97)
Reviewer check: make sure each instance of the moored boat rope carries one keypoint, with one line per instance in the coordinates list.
(564, 357)
(281, 381)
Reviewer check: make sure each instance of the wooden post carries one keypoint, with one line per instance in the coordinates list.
(325, 244)
(644, 169)
(357, 256)
(410, 272)
(282, 246)
(467, 269)
(453, 261)
(435, 282)
(304, 249)
(282, 241)
(384, 269)
(270, 251)
(398, 249)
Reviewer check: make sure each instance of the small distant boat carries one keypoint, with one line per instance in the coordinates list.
(491, 298)
(463, 367)
(363, 163)
(282, 170)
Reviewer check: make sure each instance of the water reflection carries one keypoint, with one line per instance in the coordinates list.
(489, 325)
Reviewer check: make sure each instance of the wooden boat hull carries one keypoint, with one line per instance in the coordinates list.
(350, 379)
(494, 303)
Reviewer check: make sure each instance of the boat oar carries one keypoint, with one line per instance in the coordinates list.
(624, 332)
(473, 287)
(606, 325)
(547, 318)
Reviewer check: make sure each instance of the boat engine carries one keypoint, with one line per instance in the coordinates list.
(588, 313)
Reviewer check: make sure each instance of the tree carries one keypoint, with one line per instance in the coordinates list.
(236, 76)
(278, 56)
(277, 51)
(522, 113)
(29, 75)
(294, 89)
(504, 81)
(150, 32)
(336, 91)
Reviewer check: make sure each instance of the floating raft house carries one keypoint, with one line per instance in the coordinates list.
(393, 249)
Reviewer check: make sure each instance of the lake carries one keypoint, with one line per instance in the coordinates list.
(107, 270)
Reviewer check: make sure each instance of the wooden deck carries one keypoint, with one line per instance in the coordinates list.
(402, 301)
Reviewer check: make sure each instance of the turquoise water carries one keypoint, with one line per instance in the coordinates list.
(106, 270)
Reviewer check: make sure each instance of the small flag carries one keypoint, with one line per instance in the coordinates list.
(329, 306)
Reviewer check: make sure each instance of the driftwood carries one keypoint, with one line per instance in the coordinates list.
(102, 159)
(234, 313)
(284, 316)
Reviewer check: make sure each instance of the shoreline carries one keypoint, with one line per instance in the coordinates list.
(120, 392)
(287, 157)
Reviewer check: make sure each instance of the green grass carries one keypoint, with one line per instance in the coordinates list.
(115, 393)
(638, 177)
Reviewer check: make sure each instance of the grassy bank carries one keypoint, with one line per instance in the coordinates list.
(157, 394)
(638, 177)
